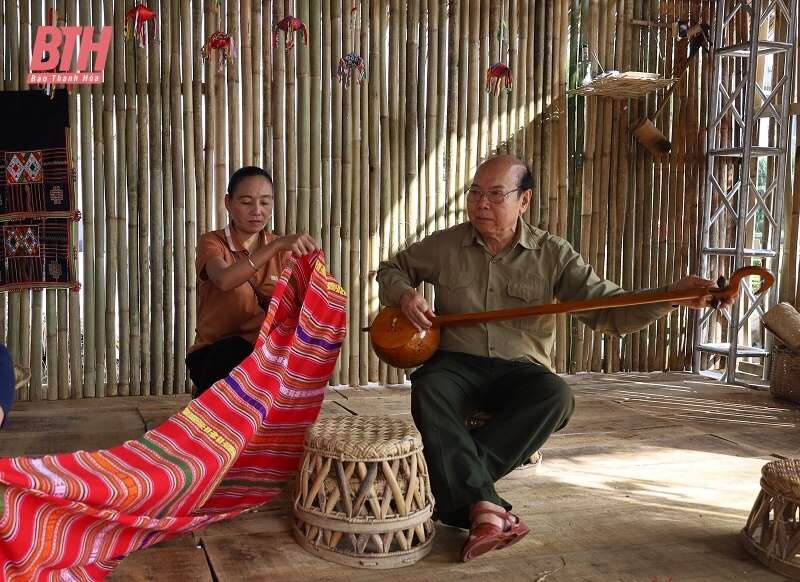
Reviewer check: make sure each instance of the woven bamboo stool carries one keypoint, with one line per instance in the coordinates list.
(363, 494)
(772, 533)
(528, 468)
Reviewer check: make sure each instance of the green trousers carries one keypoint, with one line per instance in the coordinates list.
(527, 402)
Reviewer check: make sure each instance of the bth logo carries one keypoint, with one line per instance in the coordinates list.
(51, 62)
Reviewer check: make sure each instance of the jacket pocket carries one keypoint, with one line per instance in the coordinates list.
(529, 291)
(454, 293)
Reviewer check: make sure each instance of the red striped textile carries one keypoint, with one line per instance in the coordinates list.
(75, 516)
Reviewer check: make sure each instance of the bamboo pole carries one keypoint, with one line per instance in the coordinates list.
(315, 152)
(233, 113)
(110, 247)
(376, 197)
(267, 84)
(290, 175)
(64, 382)
(411, 123)
(327, 64)
(123, 103)
(245, 36)
(337, 256)
(366, 279)
(280, 92)
(385, 373)
(92, 279)
(349, 357)
(223, 148)
(142, 233)
(185, 210)
(261, 37)
(473, 88)
(163, 378)
(301, 169)
(462, 160)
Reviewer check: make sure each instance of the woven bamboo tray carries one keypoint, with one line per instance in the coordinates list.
(785, 374)
(629, 85)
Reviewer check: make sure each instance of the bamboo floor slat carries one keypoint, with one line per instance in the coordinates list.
(651, 481)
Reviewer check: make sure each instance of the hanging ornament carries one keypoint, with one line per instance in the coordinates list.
(347, 63)
(353, 17)
(498, 74)
(140, 15)
(223, 43)
(289, 25)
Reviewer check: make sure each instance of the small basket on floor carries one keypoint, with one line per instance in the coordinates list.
(528, 468)
(22, 376)
(772, 532)
(784, 374)
(363, 494)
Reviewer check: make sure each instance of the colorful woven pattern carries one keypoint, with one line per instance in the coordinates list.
(37, 202)
(75, 516)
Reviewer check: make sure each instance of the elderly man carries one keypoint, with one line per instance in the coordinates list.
(496, 261)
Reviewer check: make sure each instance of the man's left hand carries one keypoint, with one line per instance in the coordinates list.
(695, 282)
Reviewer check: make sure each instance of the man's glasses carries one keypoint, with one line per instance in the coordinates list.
(494, 196)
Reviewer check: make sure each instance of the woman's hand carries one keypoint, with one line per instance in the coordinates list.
(695, 282)
(416, 309)
(298, 244)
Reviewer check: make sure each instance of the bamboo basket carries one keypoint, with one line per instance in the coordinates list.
(784, 374)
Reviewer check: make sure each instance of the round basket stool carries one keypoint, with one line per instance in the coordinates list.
(772, 533)
(363, 494)
(528, 468)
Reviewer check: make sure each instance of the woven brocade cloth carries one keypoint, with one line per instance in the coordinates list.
(75, 516)
(38, 216)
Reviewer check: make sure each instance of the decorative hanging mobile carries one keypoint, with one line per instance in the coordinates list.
(289, 26)
(499, 74)
(347, 64)
(139, 16)
(352, 64)
(222, 42)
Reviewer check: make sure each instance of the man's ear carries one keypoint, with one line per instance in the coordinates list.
(526, 200)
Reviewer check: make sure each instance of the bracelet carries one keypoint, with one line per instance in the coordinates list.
(252, 264)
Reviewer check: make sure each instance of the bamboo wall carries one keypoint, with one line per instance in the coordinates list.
(365, 169)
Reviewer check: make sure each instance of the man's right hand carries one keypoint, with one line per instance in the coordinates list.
(416, 309)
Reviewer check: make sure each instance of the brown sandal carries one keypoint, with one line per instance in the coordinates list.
(484, 537)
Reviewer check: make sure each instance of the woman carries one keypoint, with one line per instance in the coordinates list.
(237, 268)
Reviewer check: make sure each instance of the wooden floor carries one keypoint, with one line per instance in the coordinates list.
(650, 482)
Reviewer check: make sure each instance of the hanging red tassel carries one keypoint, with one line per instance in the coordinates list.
(289, 25)
(139, 16)
(498, 74)
(223, 43)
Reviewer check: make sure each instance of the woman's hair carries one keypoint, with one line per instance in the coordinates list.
(246, 172)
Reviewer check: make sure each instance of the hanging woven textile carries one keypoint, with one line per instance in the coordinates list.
(289, 26)
(222, 42)
(74, 516)
(38, 216)
(139, 16)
